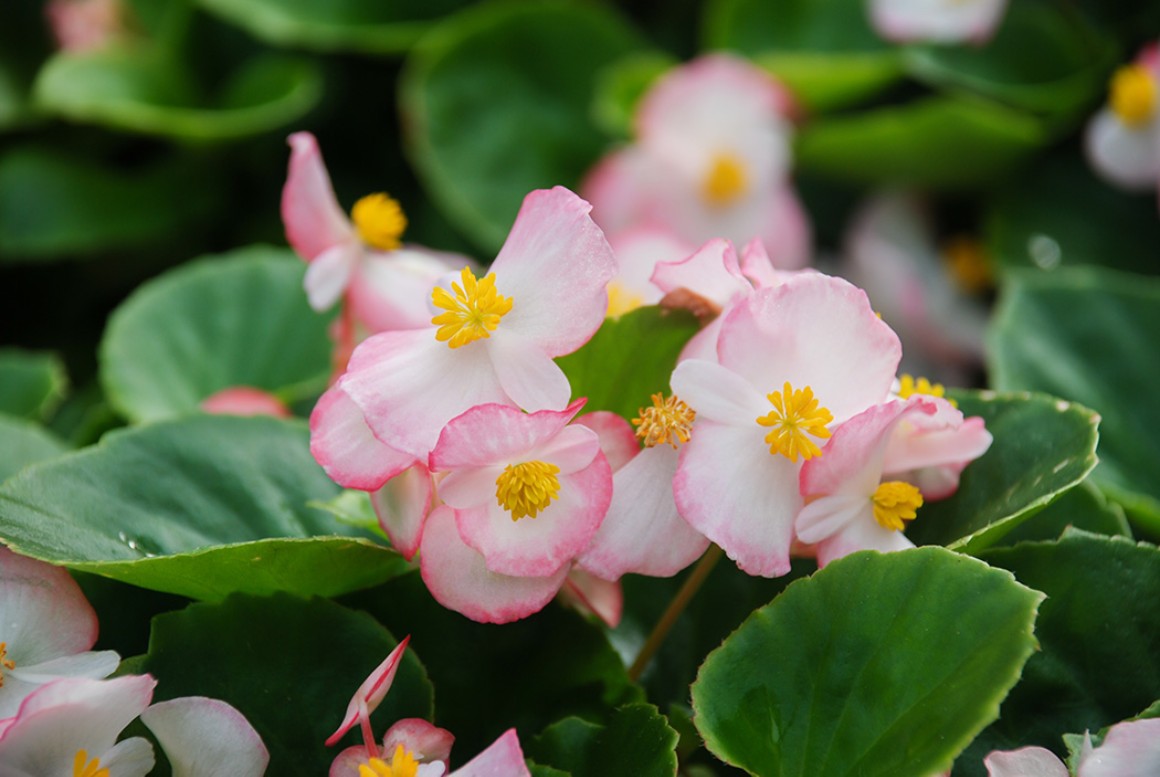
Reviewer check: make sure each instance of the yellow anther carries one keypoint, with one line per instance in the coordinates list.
(472, 313)
(908, 386)
(667, 421)
(725, 182)
(403, 764)
(83, 767)
(967, 262)
(379, 220)
(795, 414)
(1133, 95)
(621, 300)
(895, 502)
(5, 662)
(525, 489)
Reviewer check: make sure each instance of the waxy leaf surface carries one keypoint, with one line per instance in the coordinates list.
(636, 741)
(32, 383)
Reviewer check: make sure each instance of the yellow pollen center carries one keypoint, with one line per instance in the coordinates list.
(725, 182)
(83, 767)
(895, 502)
(1133, 95)
(967, 262)
(795, 414)
(525, 489)
(667, 421)
(379, 220)
(403, 764)
(5, 662)
(908, 386)
(472, 313)
(621, 300)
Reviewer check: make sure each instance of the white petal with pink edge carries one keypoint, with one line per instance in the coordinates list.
(329, 274)
(589, 593)
(503, 758)
(426, 742)
(402, 505)
(1024, 762)
(527, 374)
(344, 446)
(1126, 156)
(310, 212)
(490, 434)
(1130, 749)
(937, 440)
(43, 614)
(205, 737)
(718, 394)
(617, 439)
(392, 290)
(937, 21)
(711, 272)
(371, 692)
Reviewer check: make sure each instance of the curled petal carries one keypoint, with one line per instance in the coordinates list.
(371, 692)
(402, 505)
(205, 737)
(310, 212)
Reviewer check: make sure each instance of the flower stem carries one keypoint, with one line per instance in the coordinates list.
(676, 607)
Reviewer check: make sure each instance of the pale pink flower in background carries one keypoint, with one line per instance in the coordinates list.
(937, 21)
(638, 251)
(86, 25)
(1123, 138)
(710, 159)
(246, 401)
(1130, 749)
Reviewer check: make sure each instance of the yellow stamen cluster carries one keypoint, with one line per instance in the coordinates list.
(83, 767)
(667, 421)
(1133, 95)
(403, 764)
(908, 386)
(621, 300)
(725, 182)
(5, 662)
(525, 489)
(967, 262)
(895, 502)
(795, 414)
(472, 313)
(379, 220)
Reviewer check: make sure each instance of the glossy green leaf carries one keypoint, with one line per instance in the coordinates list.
(289, 665)
(629, 359)
(143, 90)
(823, 81)
(497, 102)
(202, 507)
(241, 319)
(1084, 507)
(879, 664)
(936, 141)
(1089, 335)
(32, 384)
(23, 442)
(636, 741)
(364, 26)
(1042, 447)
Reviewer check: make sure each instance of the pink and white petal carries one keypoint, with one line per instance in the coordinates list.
(245, 401)
(310, 212)
(43, 614)
(638, 252)
(730, 488)
(402, 504)
(547, 543)
(205, 737)
(489, 434)
(643, 533)
(786, 234)
(719, 394)
(347, 762)
(371, 692)
(426, 742)
(458, 577)
(1130, 749)
(503, 758)
(471, 488)
(712, 272)
(132, 758)
(861, 535)
(1128, 157)
(941, 21)
(409, 385)
(617, 439)
(825, 516)
(95, 665)
(703, 345)
(555, 265)
(573, 449)
(527, 374)
(914, 447)
(329, 274)
(344, 446)
(618, 187)
(1024, 762)
(757, 267)
(589, 593)
(393, 290)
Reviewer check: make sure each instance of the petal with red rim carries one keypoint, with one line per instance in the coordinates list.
(344, 446)
(310, 212)
(371, 692)
(402, 504)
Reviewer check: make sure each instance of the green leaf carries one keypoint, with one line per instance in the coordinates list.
(363, 26)
(289, 665)
(525, 674)
(948, 142)
(140, 89)
(240, 319)
(202, 507)
(879, 664)
(32, 384)
(23, 442)
(1089, 335)
(621, 85)
(1083, 507)
(1042, 447)
(629, 359)
(824, 82)
(497, 102)
(636, 741)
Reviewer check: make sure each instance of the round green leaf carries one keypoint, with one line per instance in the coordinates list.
(879, 664)
(636, 741)
(289, 665)
(240, 319)
(936, 141)
(364, 26)
(142, 90)
(1084, 507)
(202, 507)
(32, 384)
(1042, 447)
(22, 443)
(497, 102)
(1089, 335)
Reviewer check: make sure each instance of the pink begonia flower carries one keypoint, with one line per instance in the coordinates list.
(496, 336)
(1130, 749)
(589, 593)
(711, 159)
(792, 361)
(47, 628)
(245, 400)
(891, 254)
(387, 284)
(1123, 138)
(937, 21)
